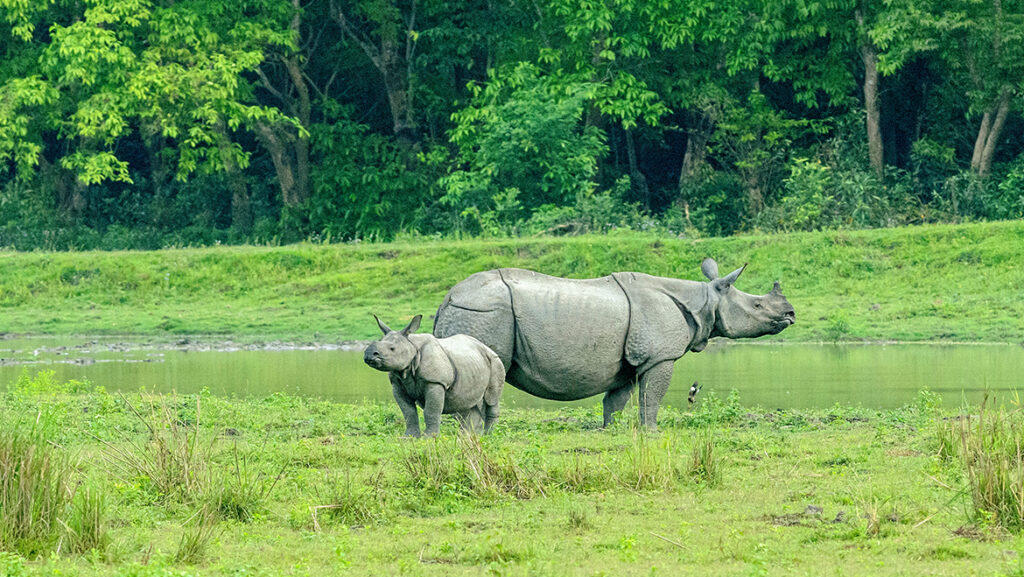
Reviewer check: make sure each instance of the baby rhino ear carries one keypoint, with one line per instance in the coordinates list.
(414, 325)
(383, 327)
(710, 268)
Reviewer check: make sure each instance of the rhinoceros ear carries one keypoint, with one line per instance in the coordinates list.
(726, 282)
(414, 325)
(383, 327)
(710, 268)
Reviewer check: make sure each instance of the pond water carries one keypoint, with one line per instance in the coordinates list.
(772, 376)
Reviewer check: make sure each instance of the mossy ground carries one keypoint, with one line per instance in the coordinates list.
(830, 492)
(927, 283)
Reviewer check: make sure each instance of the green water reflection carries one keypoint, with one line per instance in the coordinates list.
(772, 376)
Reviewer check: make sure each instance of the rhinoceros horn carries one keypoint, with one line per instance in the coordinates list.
(727, 281)
(777, 289)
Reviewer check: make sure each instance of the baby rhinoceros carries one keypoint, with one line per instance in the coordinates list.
(455, 375)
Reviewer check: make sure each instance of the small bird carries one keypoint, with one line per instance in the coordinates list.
(694, 389)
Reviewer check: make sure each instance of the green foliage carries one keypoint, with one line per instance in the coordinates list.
(175, 459)
(521, 140)
(141, 124)
(1009, 200)
(367, 185)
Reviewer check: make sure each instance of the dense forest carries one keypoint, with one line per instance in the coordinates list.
(151, 123)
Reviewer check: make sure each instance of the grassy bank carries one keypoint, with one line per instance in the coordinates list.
(199, 485)
(953, 283)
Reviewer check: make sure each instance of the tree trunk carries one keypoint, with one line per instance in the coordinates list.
(393, 60)
(304, 109)
(979, 142)
(241, 206)
(64, 186)
(875, 147)
(637, 179)
(277, 145)
(696, 149)
(988, 135)
(154, 143)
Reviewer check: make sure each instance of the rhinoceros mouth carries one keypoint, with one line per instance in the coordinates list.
(782, 324)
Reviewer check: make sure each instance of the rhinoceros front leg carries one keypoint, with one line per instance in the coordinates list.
(408, 407)
(653, 386)
(433, 406)
(614, 401)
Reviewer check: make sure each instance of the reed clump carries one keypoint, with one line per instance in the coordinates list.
(35, 487)
(991, 450)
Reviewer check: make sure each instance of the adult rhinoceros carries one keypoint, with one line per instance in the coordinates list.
(567, 339)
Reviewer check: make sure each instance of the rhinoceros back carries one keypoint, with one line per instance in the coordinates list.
(559, 339)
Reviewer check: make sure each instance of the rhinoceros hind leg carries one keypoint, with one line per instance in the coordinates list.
(653, 386)
(614, 401)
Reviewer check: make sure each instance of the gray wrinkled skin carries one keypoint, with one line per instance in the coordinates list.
(566, 339)
(455, 375)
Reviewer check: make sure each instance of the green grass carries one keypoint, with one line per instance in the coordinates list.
(722, 489)
(928, 283)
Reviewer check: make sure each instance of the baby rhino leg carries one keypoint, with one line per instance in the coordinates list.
(469, 420)
(490, 416)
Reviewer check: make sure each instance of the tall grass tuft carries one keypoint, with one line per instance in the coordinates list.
(578, 475)
(703, 463)
(242, 491)
(947, 441)
(86, 526)
(647, 463)
(175, 458)
(433, 465)
(496, 474)
(992, 452)
(344, 502)
(35, 487)
(464, 467)
(199, 531)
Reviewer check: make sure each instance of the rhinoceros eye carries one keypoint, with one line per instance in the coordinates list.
(757, 304)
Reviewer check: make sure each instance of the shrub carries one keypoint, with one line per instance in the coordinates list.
(523, 132)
